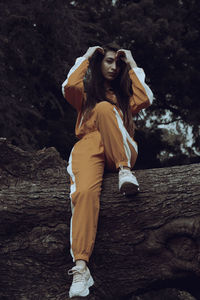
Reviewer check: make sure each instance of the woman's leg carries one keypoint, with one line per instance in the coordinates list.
(86, 168)
(119, 148)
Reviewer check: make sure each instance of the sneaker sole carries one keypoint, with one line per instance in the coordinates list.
(90, 281)
(129, 188)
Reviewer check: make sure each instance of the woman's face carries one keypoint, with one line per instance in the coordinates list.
(109, 66)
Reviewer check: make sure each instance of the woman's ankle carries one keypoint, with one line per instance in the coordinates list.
(124, 167)
(81, 263)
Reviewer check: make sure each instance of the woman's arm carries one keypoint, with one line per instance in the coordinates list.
(73, 87)
(142, 95)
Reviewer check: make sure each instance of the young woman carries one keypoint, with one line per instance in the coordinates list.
(106, 103)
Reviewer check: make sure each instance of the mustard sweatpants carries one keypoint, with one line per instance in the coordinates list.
(109, 146)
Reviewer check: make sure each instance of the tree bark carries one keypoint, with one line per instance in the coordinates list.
(144, 243)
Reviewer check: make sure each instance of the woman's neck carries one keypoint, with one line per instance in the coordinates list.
(107, 85)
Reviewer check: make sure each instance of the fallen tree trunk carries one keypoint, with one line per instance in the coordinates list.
(144, 243)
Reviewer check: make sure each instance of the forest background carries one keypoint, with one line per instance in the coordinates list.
(40, 40)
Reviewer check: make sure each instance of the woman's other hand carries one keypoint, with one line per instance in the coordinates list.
(127, 57)
(91, 50)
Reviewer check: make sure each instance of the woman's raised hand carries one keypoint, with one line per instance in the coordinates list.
(91, 50)
(127, 57)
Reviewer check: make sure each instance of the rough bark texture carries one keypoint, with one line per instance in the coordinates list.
(146, 245)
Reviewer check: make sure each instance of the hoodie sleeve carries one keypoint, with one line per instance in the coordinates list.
(72, 87)
(142, 95)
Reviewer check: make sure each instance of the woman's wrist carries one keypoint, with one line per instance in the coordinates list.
(91, 50)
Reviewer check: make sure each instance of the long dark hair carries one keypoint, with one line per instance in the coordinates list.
(121, 86)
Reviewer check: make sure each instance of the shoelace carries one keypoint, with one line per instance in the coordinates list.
(77, 275)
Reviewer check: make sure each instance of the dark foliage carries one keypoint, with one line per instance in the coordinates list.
(41, 39)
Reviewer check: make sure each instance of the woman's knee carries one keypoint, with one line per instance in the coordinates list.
(103, 107)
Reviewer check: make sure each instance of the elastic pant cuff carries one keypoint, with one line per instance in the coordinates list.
(82, 257)
(123, 164)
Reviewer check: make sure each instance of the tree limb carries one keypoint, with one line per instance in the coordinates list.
(143, 243)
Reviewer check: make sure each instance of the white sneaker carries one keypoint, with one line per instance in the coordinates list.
(128, 184)
(82, 280)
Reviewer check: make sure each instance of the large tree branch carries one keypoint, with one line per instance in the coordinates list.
(152, 239)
